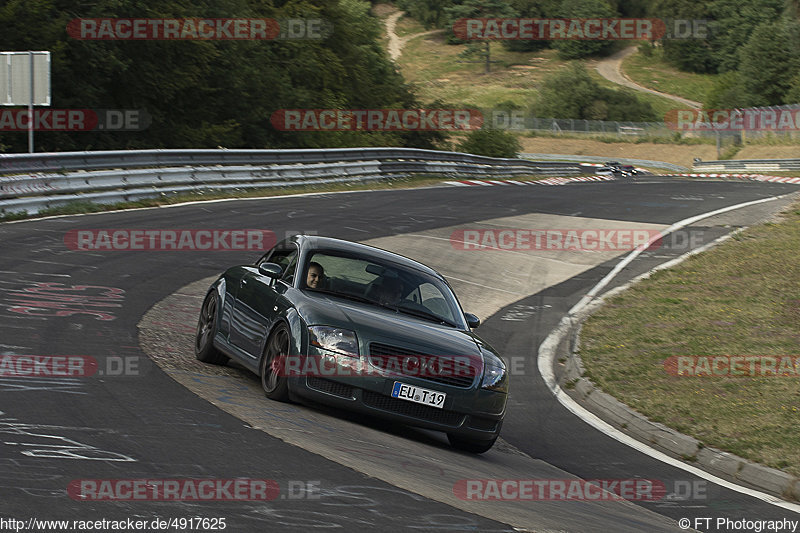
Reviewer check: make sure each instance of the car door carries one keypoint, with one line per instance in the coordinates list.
(254, 309)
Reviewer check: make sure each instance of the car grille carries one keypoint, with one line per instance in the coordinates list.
(331, 387)
(386, 357)
(414, 410)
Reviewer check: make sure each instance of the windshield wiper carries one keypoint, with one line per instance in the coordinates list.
(425, 314)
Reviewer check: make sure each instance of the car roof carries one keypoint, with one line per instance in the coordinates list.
(315, 242)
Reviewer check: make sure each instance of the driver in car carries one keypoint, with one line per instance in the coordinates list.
(316, 275)
(391, 291)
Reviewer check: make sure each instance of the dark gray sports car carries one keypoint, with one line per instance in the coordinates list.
(361, 328)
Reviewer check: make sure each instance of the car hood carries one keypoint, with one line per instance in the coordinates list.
(376, 324)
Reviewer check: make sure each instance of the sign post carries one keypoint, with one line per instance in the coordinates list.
(15, 67)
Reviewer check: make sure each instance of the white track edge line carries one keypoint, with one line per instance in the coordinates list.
(546, 357)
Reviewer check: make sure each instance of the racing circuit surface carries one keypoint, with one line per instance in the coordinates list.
(151, 412)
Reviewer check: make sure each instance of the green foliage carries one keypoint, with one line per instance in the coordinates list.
(792, 96)
(212, 93)
(431, 13)
(575, 49)
(728, 92)
(730, 25)
(572, 93)
(471, 9)
(527, 9)
(769, 62)
(646, 49)
(491, 143)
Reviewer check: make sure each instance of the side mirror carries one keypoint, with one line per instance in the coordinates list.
(271, 270)
(472, 320)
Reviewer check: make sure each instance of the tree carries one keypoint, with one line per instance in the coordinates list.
(770, 61)
(572, 93)
(582, 9)
(491, 143)
(474, 9)
(727, 92)
(209, 93)
(430, 13)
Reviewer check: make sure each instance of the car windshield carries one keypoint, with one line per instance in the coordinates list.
(389, 285)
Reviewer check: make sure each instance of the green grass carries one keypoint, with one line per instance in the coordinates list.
(656, 73)
(438, 72)
(660, 104)
(408, 26)
(740, 298)
(629, 139)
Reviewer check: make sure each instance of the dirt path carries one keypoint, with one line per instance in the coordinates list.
(610, 69)
(396, 43)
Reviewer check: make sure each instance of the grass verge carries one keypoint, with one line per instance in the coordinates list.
(654, 72)
(740, 298)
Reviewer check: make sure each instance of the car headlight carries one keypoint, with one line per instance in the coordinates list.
(341, 341)
(495, 376)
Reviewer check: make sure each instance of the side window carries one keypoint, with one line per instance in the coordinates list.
(289, 268)
(285, 255)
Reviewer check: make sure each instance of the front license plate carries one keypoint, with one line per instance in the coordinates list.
(418, 395)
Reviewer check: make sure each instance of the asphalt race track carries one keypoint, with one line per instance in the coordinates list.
(133, 419)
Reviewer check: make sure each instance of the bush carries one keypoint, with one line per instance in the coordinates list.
(491, 143)
(573, 93)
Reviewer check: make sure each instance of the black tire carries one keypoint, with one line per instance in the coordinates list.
(271, 369)
(204, 348)
(470, 445)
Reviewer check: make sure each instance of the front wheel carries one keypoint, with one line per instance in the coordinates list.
(204, 348)
(271, 369)
(470, 445)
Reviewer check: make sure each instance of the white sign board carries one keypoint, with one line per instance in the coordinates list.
(15, 78)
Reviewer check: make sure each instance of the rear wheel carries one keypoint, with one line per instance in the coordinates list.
(470, 445)
(204, 348)
(273, 377)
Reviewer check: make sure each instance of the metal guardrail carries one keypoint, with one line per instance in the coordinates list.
(142, 174)
(759, 165)
(603, 159)
(66, 161)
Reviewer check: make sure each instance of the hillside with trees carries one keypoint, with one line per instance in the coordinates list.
(209, 93)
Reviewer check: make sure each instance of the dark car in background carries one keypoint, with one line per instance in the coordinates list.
(617, 169)
(353, 326)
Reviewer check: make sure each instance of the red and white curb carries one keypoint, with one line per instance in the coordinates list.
(546, 181)
(754, 177)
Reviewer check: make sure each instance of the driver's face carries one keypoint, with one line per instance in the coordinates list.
(314, 276)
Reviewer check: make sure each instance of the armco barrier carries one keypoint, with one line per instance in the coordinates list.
(603, 159)
(746, 165)
(125, 159)
(145, 174)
